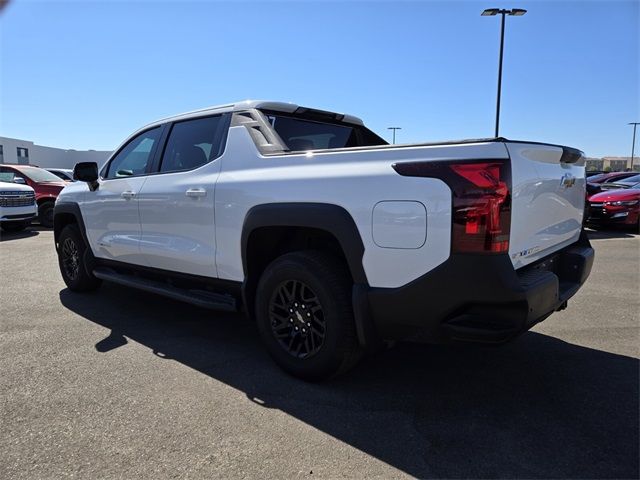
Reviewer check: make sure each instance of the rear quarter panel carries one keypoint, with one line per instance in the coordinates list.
(356, 181)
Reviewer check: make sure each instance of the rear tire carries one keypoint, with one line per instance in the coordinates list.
(72, 261)
(45, 214)
(305, 315)
(12, 227)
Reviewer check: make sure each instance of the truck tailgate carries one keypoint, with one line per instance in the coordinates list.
(548, 195)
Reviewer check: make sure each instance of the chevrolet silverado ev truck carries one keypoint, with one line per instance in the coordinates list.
(331, 239)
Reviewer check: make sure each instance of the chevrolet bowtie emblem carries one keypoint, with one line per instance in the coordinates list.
(567, 180)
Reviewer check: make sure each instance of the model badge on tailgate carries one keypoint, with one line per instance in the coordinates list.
(525, 253)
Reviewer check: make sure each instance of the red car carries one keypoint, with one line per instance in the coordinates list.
(615, 207)
(46, 185)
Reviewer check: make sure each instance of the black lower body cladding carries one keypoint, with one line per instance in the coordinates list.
(479, 297)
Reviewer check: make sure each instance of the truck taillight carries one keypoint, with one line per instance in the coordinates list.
(481, 201)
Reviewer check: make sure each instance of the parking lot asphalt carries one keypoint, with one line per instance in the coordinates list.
(123, 384)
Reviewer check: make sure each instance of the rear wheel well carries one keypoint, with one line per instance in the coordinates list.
(265, 244)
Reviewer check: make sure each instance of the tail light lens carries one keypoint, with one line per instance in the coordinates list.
(481, 201)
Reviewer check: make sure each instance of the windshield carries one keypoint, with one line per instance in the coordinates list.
(631, 180)
(38, 174)
(7, 177)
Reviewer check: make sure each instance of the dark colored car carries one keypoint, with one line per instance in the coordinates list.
(627, 182)
(615, 207)
(46, 185)
(610, 181)
(611, 177)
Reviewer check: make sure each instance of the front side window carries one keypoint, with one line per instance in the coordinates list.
(192, 143)
(135, 156)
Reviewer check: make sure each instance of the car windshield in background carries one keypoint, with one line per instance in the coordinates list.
(303, 134)
(39, 175)
(630, 180)
(7, 177)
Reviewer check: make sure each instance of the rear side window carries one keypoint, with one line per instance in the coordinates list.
(192, 143)
(135, 156)
(303, 134)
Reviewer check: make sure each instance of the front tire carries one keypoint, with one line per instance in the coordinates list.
(45, 214)
(71, 260)
(305, 315)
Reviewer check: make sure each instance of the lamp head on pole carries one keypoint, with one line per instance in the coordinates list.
(516, 12)
(490, 12)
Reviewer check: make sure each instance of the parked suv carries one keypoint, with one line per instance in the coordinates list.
(45, 184)
(17, 206)
(330, 238)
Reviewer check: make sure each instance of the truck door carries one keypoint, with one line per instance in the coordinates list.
(177, 202)
(111, 212)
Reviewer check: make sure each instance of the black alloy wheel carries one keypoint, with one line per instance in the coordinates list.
(304, 314)
(70, 258)
(297, 319)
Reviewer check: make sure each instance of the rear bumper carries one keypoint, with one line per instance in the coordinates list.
(474, 297)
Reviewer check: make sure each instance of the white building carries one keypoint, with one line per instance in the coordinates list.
(25, 152)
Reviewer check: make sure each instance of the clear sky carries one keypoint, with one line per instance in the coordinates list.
(86, 74)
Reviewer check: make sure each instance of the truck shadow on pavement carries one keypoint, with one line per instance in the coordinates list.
(8, 236)
(538, 407)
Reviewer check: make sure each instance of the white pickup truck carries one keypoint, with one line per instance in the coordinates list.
(333, 240)
(17, 205)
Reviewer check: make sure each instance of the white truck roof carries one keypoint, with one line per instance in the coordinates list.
(247, 105)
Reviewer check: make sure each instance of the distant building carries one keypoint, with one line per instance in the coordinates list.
(13, 150)
(614, 164)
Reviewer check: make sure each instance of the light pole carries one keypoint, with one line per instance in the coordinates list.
(394, 132)
(633, 143)
(489, 12)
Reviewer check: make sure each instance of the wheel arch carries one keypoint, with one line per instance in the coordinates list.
(46, 199)
(68, 213)
(270, 230)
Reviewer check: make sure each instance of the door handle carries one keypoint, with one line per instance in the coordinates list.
(128, 194)
(196, 192)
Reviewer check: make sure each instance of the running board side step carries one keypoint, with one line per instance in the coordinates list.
(200, 298)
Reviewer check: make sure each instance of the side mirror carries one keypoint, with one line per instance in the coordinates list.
(19, 180)
(87, 172)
